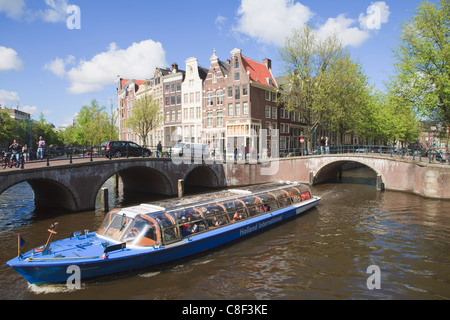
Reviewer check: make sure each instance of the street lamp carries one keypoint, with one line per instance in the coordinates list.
(448, 157)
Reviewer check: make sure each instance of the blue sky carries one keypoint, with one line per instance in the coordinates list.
(49, 66)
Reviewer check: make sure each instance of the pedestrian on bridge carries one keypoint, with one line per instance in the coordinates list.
(41, 146)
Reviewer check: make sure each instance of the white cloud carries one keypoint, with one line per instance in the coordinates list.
(9, 59)
(7, 98)
(29, 109)
(220, 21)
(13, 8)
(137, 62)
(56, 11)
(270, 21)
(58, 65)
(341, 26)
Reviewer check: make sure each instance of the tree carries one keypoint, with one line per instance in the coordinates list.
(90, 124)
(323, 83)
(423, 62)
(144, 117)
(8, 127)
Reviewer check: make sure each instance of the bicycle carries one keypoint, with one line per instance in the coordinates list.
(7, 161)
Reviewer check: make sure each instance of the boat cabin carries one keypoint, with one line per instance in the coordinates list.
(147, 225)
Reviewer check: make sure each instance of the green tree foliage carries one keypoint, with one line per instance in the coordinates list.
(423, 62)
(144, 117)
(8, 127)
(92, 126)
(323, 83)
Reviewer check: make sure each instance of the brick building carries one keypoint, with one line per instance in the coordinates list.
(225, 106)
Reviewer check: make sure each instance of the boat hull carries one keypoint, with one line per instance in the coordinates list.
(60, 271)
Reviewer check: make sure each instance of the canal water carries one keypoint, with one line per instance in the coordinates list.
(328, 253)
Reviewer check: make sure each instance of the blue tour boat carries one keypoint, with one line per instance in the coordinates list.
(153, 234)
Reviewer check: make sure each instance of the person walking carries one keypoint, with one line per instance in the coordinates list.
(159, 150)
(25, 154)
(41, 146)
(327, 145)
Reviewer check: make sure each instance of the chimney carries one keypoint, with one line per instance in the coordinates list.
(268, 63)
(174, 67)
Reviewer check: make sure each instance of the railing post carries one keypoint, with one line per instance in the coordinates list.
(70, 155)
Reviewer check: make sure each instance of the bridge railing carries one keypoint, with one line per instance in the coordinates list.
(435, 156)
(430, 155)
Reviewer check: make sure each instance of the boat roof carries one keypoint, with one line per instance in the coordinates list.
(203, 199)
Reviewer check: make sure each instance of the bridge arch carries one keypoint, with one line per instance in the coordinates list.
(49, 192)
(202, 176)
(332, 170)
(141, 178)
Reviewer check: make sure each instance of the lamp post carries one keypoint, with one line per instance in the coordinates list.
(448, 156)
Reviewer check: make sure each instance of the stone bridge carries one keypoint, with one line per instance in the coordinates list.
(75, 186)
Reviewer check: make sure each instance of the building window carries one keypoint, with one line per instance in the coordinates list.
(236, 64)
(191, 97)
(237, 110)
(178, 86)
(166, 88)
(236, 76)
(209, 119)
(198, 112)
(274, 112)
(185, 98)
(172, 116)
(172, 100)
(219, 96)
(237, 92)
(219, 121)
(268, 112)
(209, 98)
(167, 101)
(230, 109)
(179, 99)
(197, 96)
(230, 92)
(214, 79)
(244, 89)
(267, 95)
(245, 108)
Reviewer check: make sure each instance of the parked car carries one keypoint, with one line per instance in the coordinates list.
(120, 148)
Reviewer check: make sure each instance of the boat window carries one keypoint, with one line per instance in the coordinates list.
(215, 215)
(295, 195)
(107, 221)
(190, 221)
(236, 210)
(169, 228)
(306, 196)
(142, 232)
(117, 227)
(254, 205)
(283, 198)
(269, 202)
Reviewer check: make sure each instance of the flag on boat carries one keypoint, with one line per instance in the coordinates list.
(20, 242)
